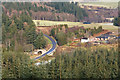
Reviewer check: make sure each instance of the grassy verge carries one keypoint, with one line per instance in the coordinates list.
(49, 42)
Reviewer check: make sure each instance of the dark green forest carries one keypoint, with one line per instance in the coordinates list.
(81, 63)
(20, 32)
(69, 8)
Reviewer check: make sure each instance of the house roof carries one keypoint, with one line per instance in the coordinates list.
(84, 38)
(106, 35)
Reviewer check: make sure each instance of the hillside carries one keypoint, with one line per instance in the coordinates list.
(46, 11)
(100, 11)
(64, 11)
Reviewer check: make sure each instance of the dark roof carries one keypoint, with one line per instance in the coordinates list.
(103, 36)
(84, 38)
(86, 22)
(109, 33)
(106, 35)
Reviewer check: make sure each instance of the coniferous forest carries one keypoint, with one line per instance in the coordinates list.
(20, 31)
(81, 63)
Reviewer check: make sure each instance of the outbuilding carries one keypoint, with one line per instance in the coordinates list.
(84, 40)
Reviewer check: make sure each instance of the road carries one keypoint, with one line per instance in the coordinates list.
(51, 50)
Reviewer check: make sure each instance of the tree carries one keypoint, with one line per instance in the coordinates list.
(66, 26)
(30, 34)
(53, 32)
(61, 39)
(19, 24)
(39, 42)
(117, 21)
(99, 29)
(16, 65)
(5, 18)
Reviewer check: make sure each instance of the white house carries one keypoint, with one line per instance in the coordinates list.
(84, 40)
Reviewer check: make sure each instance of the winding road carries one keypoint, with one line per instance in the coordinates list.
(49, 51)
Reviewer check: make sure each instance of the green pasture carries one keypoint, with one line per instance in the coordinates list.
(71, 24)
(50, 23)
(102, 4)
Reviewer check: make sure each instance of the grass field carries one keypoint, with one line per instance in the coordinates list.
(103, 4)
(71, 24)
(50, 23)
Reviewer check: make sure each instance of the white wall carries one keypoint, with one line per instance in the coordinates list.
(84, 40)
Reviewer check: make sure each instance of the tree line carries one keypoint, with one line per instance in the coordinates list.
(67, 7)
(22, 6)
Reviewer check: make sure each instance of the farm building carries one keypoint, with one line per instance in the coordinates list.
(83, 40)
